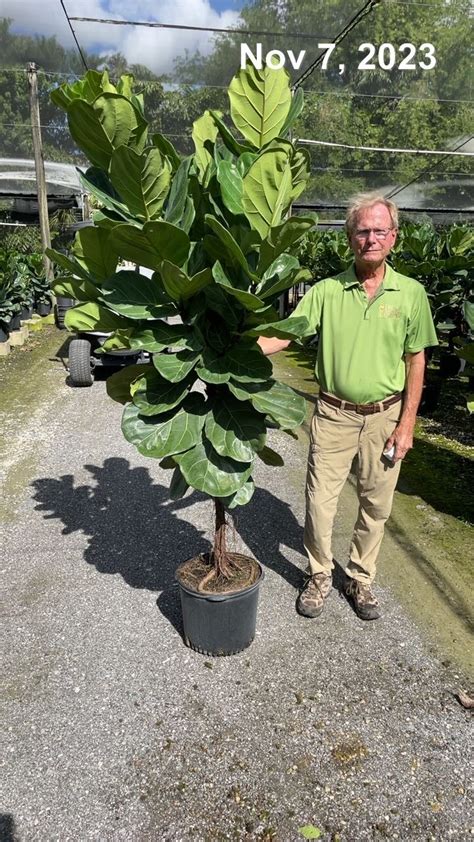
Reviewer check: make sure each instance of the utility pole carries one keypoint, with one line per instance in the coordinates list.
(39, 166)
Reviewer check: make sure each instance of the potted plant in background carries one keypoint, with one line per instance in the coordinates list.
(214, 229)
(7, 307)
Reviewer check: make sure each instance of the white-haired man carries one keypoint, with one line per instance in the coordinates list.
(373, 326)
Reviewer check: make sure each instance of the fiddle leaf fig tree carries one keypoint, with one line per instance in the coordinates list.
(215, 231)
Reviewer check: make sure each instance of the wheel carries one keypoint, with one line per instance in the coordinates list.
(80, 369)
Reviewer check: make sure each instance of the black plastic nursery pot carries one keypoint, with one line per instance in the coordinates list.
(219, 623)
(43, 308)
(63, 304)
(3, 334)
(15, 322)
(26, 312)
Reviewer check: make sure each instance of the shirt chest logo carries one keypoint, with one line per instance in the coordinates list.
(387, 311)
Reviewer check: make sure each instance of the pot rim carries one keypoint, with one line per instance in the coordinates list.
(221, 597)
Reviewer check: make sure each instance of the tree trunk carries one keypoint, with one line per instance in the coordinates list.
(220, 558)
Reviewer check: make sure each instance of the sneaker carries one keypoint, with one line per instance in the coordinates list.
(310, 602)
(363, 601)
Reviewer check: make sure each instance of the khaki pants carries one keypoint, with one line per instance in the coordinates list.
(337, 436)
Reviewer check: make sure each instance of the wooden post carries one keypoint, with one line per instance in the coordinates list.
(39, 166)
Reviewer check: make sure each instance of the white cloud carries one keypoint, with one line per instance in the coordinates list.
(156, 48)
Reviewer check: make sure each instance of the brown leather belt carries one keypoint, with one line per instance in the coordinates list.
(361, 408)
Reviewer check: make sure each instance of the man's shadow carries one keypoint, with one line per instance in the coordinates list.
(135, 530)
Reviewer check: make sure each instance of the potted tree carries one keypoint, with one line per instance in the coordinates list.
(215, 231)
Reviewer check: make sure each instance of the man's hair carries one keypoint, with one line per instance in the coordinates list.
(368, 200)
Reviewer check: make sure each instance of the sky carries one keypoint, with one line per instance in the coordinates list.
(153, 47)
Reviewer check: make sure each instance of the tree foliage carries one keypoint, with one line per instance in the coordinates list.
(219, 258)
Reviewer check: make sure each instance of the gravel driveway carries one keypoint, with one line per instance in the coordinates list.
(114, 730)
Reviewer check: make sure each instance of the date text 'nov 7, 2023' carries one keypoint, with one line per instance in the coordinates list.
(384, 56)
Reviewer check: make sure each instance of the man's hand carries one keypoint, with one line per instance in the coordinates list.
(402, 439)
(271, 345)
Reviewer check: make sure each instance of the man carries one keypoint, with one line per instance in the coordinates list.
(373, 327)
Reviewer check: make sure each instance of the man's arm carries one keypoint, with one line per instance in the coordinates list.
(402, 436)
(271, 345)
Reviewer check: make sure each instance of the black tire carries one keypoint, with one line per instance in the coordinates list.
(80, 369)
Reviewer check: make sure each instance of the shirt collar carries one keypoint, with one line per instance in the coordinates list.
(350, 279)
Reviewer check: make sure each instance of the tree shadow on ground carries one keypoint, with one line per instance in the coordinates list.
(135, 530)
(7, 828)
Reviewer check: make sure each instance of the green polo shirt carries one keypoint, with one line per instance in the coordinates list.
(362, 343)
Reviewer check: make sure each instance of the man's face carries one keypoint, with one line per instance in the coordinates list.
(368, 248)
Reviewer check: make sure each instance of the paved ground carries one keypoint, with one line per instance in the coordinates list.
(114, 730)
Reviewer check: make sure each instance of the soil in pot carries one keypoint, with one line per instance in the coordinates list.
(217, 622)
(196, 571)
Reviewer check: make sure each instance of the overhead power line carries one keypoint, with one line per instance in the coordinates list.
(444, 152)
(154, 25)
(362, 13)
(428, 169)
(178, 85)
(74, 35)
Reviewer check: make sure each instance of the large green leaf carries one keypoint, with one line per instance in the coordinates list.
(282, 237)
(246, 363)
(76, 288)
(178, 202)
(137, 296)
(166, 148)
(211, 369)
(109, 122)
(243, 362)
(178, 485)
(210, 473)
(274, 399)
(154, 395)
(231, 143)
(92, 316)
(248, 299)
(282, 266)
(71, 265)
(92, 85)
(291, 328)
(235, 429)
(117, 341)
(179, 285)
(295, 277)
(175, 367)
(296, 107)
(300, 163)
(260, 317)
(157, 241)
(232, 251)
(92, 248)
(230, 180)
(241, 497)
(468, 310)
(267, 190)
(96, 182)
(259, 103)
(119, 383)
(142, 180)
(161, 335)
(165, 435)
(204, 134)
